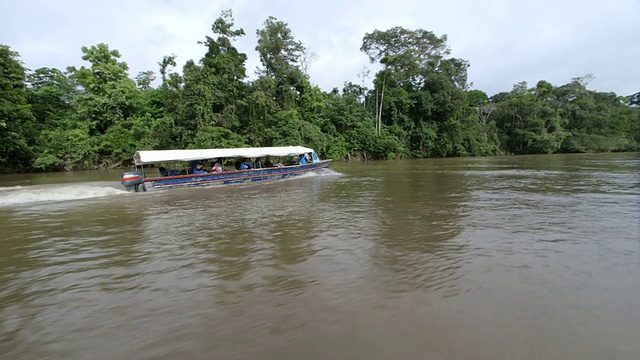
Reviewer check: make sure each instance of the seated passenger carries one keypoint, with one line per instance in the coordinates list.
(303, 159)
(246, 165)
(310, 158)
(267, 162)
(197, 168)
(162, 171)
(217, 167)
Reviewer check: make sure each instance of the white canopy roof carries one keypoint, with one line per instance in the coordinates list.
(157, 156)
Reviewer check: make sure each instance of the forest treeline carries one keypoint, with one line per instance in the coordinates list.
(421, 105)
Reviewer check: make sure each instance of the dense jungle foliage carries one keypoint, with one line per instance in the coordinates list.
(421, 106)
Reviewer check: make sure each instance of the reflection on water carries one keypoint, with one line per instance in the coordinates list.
(420, 212)
(514, 257)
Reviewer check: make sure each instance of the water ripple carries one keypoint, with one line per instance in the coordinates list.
(403, 253)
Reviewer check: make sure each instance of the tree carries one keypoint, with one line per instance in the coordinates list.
(478, 100)
(107, 93)
(51, 94)
(109, 107)
(419, 89)
(420, 105)
(167, 106)
(284, 107)
(401, 52)
(105, 69)
(308, 57)
(364, 74)
(280, 55)
(144, 80)
(223, 70)
(16, 120)
(279, 51)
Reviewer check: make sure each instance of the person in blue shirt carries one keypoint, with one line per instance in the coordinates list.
(303, 159)
(246, 165)
(196, 168)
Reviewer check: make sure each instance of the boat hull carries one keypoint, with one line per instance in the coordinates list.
(233, 177)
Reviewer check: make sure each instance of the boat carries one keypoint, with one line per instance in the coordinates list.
(137, 181)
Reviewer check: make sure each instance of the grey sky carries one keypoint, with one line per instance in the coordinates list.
(504, 41)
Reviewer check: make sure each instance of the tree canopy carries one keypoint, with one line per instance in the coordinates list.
(420, 105)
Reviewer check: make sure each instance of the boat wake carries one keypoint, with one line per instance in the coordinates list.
(320, 172)
(18, 195)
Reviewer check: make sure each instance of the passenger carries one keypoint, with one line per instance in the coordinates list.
(309, 157)
(246, 165)
(162, 171)
(303, 159)
(257, 164)
(196, 168)
(267, 162)
(217, 166)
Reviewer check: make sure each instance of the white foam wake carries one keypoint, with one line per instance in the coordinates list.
(51, 193)
(319, 172)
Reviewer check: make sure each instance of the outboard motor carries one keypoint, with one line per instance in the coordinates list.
(133, 181)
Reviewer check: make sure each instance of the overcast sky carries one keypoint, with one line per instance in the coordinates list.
(505, 41)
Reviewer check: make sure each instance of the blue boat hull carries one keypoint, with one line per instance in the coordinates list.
(233, 177)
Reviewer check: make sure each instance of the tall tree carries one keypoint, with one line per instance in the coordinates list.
(214, 91)
(144, 79)
(279, 51)
(419, 89)
(224, 69)
(52, 96)
(168, 108)
(285, 102)
(280, 54)
(109, 108)
(402, 52)
(16, 120)
(108, 95)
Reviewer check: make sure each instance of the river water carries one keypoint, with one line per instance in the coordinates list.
(527, 257)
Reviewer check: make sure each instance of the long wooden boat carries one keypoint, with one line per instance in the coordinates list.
(138, 181)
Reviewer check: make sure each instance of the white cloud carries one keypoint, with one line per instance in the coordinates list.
(504, 41)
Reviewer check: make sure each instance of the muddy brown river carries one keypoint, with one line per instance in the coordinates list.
(532, 257)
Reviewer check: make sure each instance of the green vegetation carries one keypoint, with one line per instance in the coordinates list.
(421, 106)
